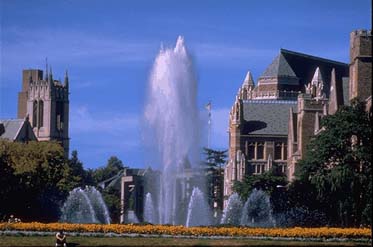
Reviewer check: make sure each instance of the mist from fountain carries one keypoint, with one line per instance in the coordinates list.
(171, 118)
(257, 211)
(131, 217)
(85, 206)
(233, 211)
(149, 212)
(199, 213)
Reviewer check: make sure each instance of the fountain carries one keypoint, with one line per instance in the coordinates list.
(131, 217)
(85, 206)
(171, 116)
(257, 211)
(232, 212)
(198, 210)
(149, 212)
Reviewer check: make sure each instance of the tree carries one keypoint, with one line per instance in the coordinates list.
(113, 166)
(214, 161)
(79, 177)
(338, 165)
(35, 178)
(214, 158)
(111, 194)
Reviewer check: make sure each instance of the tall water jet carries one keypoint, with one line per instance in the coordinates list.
(257, 211)
(198, 210)
(171, 117)
(149, 212)
(232, 212)
(85, 206)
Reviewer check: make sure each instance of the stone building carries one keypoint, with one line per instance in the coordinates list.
(258, 120)
(134, 186)
(305, 122)
(46, 102)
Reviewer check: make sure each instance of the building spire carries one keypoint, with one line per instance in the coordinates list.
(46, 69)
(50, 75)
(66, 81)
(248, 80)
(333, 99)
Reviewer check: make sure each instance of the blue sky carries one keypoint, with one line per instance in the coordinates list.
(109, 46)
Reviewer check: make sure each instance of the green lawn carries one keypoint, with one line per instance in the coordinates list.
(106, 241)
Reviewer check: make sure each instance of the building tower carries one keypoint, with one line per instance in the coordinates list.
(360, 64)
(46, 102)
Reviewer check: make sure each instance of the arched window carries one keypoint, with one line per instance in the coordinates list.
(34, 113)
(41, 113)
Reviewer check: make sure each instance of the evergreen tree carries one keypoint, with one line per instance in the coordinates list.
(214, 160)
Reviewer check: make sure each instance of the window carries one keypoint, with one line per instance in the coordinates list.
(34, 113)
(41, 114)
(59, 115)
(260, 151)
(282, 168)
(285, 151)
(251, 151)
(278, 150)
(258, 168)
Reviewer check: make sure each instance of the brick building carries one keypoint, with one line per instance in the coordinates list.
(45, 102)
(259, 118)
(304, 123)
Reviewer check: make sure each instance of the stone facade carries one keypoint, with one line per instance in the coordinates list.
(305, 123)
(259, 118)
(46, 102)
(360, 64)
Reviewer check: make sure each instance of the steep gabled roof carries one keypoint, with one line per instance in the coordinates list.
(278, 68)
(12, 127)
(16, 130)
(304, 66)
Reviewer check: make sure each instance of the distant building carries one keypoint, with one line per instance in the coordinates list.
(134, 184)
(305, 122)
(17, 130)
(258, 120)
(46, 103)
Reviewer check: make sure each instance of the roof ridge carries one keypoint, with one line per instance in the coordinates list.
(311, 56)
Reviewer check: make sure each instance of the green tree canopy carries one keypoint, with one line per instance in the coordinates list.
(214, 158)
(34, 179)
(338, 164)
(110, 194)
(113, 166)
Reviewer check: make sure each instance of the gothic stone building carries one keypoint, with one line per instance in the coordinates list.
(305, 122)
(258, 120)
(45, 102)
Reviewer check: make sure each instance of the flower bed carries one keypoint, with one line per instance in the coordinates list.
(295, 232)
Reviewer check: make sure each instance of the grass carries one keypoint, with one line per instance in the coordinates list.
(136, 241)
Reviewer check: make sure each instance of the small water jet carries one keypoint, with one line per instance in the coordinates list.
(85, 206)
(198, 210)
(131, 217)
(232, 212)
(257, 211)
(149, 212)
